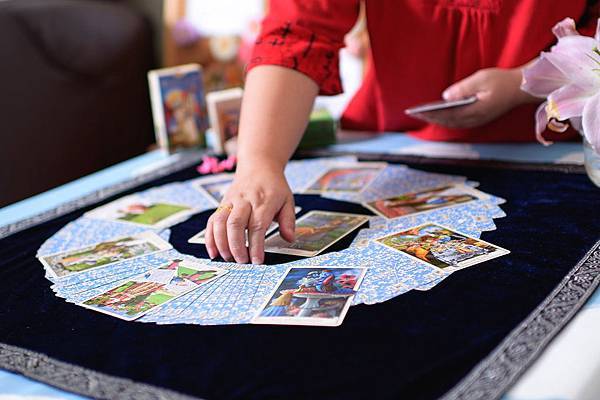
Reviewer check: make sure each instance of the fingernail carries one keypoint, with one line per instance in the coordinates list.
(256, 260)
(446, 95)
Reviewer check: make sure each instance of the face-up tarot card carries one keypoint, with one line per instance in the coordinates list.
(441, 247)
(103, 254)
(346, 177)
(132, 299)
(136, 210)
(224, 113)
(315, 232)
(313, 295)
(215, 186)
(425, 200)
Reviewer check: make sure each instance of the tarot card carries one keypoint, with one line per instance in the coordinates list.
(178, 106)
(103, 254)
(441, 247)
(232, 299)
(198, 238)
(224, 113)
(425, 200)
(136, 210)
(135, 297)
(313, 295)
(346, 177)
(215, 186)
(315, 232)
(395, 179)
(301, 173)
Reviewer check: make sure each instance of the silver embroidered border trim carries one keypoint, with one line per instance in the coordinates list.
(493, 376)
(186, 160)
(80, 380)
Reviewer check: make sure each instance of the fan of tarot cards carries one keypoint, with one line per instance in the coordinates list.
(117, 260)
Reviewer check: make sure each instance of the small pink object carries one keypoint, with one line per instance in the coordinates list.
(229, 163)
(211, 165)
(208, 165)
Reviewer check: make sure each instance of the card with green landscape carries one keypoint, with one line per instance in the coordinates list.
(102, 254)
(139, 211)
(135, 297)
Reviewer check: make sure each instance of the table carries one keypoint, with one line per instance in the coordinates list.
(572, 357)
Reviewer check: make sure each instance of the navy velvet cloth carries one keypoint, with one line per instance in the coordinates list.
(417, 345)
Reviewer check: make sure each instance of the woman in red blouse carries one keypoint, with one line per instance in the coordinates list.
(420, 49)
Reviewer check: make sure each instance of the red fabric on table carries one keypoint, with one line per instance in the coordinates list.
(418, 49)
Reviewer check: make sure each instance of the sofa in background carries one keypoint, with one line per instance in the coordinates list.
(73, 91)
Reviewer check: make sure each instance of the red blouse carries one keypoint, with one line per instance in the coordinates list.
(418, 49)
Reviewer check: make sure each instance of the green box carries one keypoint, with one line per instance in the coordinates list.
(320, 131)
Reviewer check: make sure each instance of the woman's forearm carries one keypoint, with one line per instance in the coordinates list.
(275, 110)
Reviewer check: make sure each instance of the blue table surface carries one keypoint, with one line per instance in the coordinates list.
(20, 387)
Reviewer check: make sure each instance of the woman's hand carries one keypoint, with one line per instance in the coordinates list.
(257, 197)
(497, 90)
(271, 125)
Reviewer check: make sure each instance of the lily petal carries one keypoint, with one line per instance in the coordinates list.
(598, 31)
(541, 121)
(577, 123)
(566, 27)
(557, 126)
(575, 57)
(542, 78)
(567, 102)
(591, 121)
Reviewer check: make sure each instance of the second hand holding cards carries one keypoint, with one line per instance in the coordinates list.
(440, 105)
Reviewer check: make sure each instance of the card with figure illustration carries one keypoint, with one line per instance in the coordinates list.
(224, 108)
(136, 210)
(199, 238)
(214, 186)
(103, 254)
(441, 247)
(178, 106)
(425, 200)
(311, 295)
(315, 232)
(346, 177)
(135, 297)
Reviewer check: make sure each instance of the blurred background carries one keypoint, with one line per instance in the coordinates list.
(74, 96)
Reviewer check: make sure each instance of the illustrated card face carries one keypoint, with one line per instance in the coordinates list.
(102, 254)
(142, 212)
(315, 232)
(224, 108)
(214, 186)
(313, 295)
(198, 238)
(441, 247)
(134, 298)
(178, 105)
(423, 201)
(349, 177)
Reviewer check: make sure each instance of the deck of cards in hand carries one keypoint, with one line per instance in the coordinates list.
(117, 260)
(178, 106)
